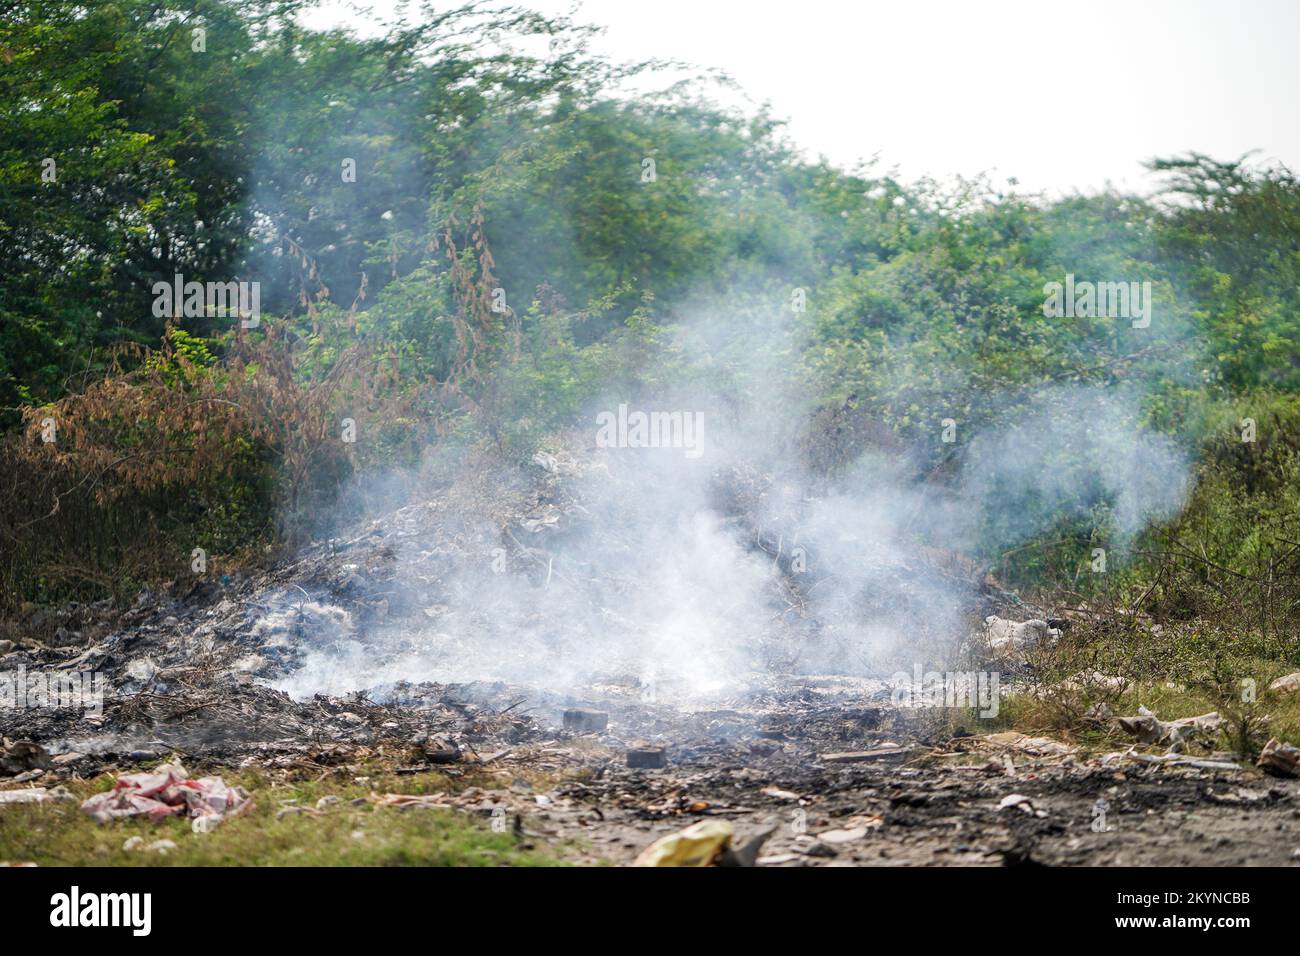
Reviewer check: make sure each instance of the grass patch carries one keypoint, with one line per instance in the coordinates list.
(60, 834)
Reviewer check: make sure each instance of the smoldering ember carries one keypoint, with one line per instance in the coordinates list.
(776, 521)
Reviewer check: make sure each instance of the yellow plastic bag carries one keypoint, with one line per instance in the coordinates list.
(697, 845)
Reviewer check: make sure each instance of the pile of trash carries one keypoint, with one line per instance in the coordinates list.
(166, 792)
(1011, 637)
(1177, 734)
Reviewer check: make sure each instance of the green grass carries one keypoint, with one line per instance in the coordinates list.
(60, 834)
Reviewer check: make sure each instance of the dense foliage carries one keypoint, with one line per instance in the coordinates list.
(522, 232)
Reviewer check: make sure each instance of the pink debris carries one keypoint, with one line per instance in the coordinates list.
(165, 792)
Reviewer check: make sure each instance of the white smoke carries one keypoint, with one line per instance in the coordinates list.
(635, 564)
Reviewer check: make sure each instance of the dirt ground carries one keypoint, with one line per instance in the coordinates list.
(762, 766)
(828, 768)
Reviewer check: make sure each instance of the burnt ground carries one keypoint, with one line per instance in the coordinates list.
(827, 765)
(906, 799)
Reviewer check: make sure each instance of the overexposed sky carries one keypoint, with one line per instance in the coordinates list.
(1060, 95)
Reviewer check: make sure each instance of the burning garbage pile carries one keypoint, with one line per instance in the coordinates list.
(575, 572)
(735, 662)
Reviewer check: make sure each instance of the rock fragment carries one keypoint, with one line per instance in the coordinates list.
(647, 758)
(580, 720)
(1286, 684)
(1280, 758)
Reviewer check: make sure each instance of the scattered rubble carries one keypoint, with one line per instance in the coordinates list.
(647, 758)
(408, 801)
(1023, 742)
(34, 795)
(1280, 758)
(1006, 637)
(18, 757)
(1177, 734)
(860, 756)
(854, 829)
(1215, 762)
(1018, 801)
(581, 721)
(747, 853)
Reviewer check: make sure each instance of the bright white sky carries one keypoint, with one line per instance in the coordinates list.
(1061, 96)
